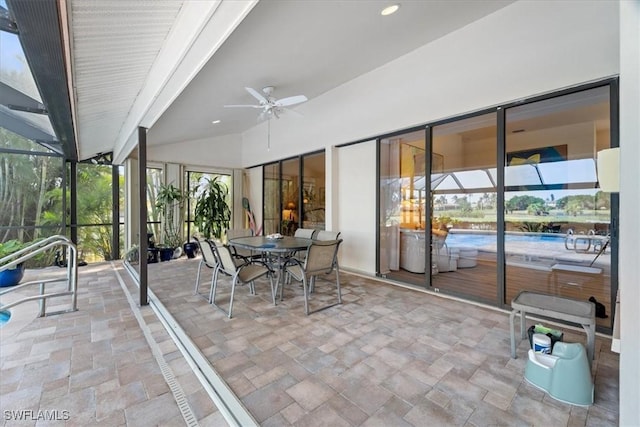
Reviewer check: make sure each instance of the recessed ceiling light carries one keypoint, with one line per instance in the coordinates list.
(215, 122)
(390, 10)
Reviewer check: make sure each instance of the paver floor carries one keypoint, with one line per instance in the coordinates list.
(388, 356)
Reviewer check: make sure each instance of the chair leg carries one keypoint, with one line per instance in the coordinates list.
(233, 290)
(306, 294)
(273, 290)
(281, 289)
(338, 286)
(195, 292)
(214, 286)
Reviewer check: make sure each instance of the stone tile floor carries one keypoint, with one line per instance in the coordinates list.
(388, 356)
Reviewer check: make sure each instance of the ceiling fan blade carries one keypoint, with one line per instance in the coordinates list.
(291, 100)
(239, 106)
(257, 95)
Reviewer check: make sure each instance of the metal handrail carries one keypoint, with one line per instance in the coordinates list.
(31, 251)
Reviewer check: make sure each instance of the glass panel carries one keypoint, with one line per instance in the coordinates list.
(195, 180)
(94, 243)
(271, 198)
(402, 202)
(15, 73)
(31, 189)
(290, 196)
(463, 226)
(14, 70)
(154, 181)
(95, 204)
(313, 191)
(557, 228)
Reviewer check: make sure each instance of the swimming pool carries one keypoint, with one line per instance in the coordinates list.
(486, 239)
(5, 315)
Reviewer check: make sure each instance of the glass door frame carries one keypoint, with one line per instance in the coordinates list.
(500, 111)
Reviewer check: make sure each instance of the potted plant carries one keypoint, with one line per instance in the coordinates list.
(12, 276)
(190, 249)
(212, 214)
(169, 200)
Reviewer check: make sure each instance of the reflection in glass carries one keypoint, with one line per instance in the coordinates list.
(464, 208)
(290, 196)
(313, 191)
(271, 198)
(402, 207)
(556, 219)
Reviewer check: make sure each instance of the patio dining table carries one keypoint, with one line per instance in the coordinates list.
(282, 247)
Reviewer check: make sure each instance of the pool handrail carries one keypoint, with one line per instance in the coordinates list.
(31, 251)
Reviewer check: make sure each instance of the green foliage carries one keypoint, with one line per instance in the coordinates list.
(443, 222)
(24, 181)
(532, 227)
(212, 214)
(575, 205)
(11, 246)
(522, 203)
(537, 209)
(168, 200)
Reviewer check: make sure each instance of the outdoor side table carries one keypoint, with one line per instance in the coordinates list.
(561, 308)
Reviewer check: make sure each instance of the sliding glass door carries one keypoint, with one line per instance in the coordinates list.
(513, 203)
(294, 194)
(557, 220)
(464, 208)
(403, 194)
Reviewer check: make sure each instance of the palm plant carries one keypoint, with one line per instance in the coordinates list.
(212, 214)
(169, 200)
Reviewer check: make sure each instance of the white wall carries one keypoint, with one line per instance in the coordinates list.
(504, 57)
(629, 217)
(222, 152)
(523, 49)
(357, 206)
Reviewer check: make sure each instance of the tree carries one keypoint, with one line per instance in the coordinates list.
(25, 180)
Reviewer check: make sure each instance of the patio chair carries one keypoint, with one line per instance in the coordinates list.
(244, 254)
(208, 259)
(322, 258)
(244, 273)
(327, 235)
(306, 233)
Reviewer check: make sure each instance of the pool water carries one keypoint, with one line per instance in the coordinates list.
(462, 239)
(4, 317)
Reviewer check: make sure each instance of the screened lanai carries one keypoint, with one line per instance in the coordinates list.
(128, 98)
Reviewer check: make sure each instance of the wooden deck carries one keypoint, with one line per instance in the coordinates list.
(480, 283)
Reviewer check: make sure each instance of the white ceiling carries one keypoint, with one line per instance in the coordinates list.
(300, 47)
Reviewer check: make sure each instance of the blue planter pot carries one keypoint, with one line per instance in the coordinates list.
(166, 254)
(190, 249)
(11, 277)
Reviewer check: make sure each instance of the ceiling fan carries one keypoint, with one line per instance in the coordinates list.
(270, 106)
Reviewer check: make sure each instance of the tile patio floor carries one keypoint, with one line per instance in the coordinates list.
(388, 356)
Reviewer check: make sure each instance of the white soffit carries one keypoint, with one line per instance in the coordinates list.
(124, 54)
(115, 44)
